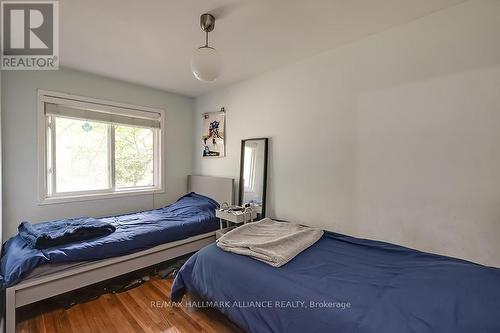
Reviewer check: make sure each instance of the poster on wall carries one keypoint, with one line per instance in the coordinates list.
(213, 134)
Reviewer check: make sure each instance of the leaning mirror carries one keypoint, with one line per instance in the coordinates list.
(253, 174)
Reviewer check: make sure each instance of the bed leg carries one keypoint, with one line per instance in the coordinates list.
(10, 310)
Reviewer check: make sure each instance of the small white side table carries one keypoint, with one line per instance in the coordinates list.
(232, 219)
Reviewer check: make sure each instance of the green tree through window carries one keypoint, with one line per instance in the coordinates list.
(134, 162)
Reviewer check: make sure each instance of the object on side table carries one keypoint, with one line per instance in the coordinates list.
(235, 215)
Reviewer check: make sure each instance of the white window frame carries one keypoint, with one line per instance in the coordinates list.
(93, 103)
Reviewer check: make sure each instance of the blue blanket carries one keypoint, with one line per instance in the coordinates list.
(345, 284)
(191, 215)
(53, 233)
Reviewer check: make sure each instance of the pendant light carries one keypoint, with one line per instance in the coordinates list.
(206, 62)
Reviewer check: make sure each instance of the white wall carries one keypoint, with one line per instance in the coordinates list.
(395, 137)
(20, 143)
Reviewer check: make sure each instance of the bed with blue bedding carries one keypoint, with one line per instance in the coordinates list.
(346, 284)
(193, 214)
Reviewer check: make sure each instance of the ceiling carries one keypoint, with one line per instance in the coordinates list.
(150, 42)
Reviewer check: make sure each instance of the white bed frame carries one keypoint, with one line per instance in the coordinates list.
(39, 288)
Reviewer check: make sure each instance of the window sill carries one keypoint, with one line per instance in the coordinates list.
(97, 196)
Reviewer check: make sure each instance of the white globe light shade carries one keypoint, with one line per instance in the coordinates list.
(206, 63)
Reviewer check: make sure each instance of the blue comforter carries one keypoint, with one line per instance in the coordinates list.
(191, 215)
(345, 284)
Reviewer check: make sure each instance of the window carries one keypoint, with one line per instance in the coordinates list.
(92, 148)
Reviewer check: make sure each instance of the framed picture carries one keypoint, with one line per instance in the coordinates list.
(213, 136)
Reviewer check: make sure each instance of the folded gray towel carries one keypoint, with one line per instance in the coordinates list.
(274, 243)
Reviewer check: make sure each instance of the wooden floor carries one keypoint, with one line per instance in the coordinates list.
(130, 311)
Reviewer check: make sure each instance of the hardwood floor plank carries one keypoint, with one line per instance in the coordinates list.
(78, 321)
(22, 326)
(94, 311)
(141, 324)
(127, 312)
(177, 313)
(140, 314)
(144, 301)
(62, 322)
(49, 321)
(122, 321)
(204, 318)
(174, 317)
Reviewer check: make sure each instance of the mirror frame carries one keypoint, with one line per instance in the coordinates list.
(264, 188)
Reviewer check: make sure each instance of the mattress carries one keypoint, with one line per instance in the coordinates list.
(50, 269)
(346, 284)
(191, 215)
